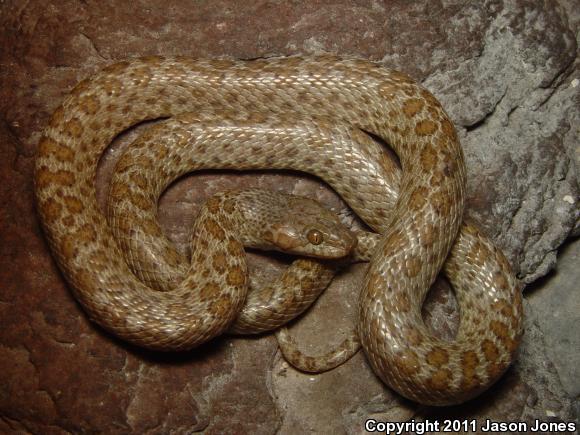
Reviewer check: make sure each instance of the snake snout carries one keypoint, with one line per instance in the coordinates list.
(340, 243)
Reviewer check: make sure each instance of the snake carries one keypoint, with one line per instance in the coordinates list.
(420, 225)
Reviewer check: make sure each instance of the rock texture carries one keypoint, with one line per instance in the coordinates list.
(507, 73)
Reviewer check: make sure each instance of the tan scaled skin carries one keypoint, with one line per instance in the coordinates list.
(197, 141)
(287, 223)
(417, 236)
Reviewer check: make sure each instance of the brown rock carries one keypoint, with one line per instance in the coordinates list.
(504, 72)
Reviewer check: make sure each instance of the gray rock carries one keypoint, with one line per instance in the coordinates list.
(515, 103)
(555, 308)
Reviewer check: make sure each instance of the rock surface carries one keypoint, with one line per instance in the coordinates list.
(507, 73)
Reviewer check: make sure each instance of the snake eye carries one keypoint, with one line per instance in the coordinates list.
(315, 237)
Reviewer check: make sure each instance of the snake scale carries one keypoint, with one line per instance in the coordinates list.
(419, 223)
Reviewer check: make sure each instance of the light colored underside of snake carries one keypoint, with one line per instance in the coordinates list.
(416, 237)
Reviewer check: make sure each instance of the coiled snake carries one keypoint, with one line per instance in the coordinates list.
(417, 236)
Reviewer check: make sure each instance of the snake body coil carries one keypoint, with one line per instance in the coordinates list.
(416, 239)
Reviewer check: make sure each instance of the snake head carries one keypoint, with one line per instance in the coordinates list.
(309, 229)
